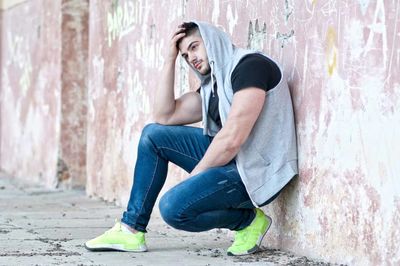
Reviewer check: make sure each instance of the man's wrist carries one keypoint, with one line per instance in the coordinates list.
(170, 60)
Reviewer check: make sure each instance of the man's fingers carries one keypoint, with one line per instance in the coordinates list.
(178, 31)
(178, 36)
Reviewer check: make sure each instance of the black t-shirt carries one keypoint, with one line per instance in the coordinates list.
(253, 70)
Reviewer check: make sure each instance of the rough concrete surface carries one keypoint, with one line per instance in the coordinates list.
(48, 227)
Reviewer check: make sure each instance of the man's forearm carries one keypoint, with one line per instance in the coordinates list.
(164, 103)
(221, 151)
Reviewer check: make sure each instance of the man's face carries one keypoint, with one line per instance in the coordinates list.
(194, 52)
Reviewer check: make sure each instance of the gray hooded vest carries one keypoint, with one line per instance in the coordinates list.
(267, 161)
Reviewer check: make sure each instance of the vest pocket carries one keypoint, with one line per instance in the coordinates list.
(266, 158)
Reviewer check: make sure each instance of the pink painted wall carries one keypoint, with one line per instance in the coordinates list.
(341, 58)
(1, 78)
(30, 90)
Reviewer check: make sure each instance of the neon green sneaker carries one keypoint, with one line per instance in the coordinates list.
(248, 240)
(118, 238)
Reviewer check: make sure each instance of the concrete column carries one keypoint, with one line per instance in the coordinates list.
(72, 156)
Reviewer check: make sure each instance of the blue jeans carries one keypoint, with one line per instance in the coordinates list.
(215, 198)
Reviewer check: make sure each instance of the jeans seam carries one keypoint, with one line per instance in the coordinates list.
(197, 200)
(179, 153)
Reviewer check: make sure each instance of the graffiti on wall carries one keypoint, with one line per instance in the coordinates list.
(122, 18)
(378, 27)
(329, 8)
(284, 38)
(288, 11)
(137, 95)
(331, 51)
(256, 36)
(232, 18)
(149, 49)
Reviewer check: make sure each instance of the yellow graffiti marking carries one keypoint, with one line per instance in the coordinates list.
(122, 20)
(331, 50)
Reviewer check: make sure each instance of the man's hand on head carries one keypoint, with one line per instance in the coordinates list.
(176, 37)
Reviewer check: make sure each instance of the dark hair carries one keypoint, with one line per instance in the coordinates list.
(189, 29)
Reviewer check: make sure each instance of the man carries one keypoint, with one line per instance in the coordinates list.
(241, 160)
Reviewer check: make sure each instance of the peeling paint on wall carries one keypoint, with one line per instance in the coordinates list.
(232, 18)
(284, 38)
(340, 59)
(149, 49)
(256, 36)
(378, 26)
(30, 91)
(20, 57)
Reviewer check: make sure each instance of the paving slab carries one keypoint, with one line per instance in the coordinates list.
(49, 227)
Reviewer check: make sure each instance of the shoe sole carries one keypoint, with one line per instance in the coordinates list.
(257, 247)
(116, 247)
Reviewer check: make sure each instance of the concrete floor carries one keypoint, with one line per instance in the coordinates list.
(49, 227)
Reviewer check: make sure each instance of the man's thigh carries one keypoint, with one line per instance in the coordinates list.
(184, 146)
(214, 189)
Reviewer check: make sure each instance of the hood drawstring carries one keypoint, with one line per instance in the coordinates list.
(212, 78)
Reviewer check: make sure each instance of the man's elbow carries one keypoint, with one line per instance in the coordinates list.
(162, 120)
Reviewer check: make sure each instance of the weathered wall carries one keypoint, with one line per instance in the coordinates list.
(6, 4)
(1, 82)
(345, 206)
(119, 93)
(341, 58)
(72, 156)
(30, 89)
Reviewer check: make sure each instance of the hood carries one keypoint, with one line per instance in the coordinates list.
(219, 48)
(222, 57)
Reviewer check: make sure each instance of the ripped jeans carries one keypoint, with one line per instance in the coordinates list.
(215, 198)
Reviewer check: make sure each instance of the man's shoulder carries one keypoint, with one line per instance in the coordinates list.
(254, 58)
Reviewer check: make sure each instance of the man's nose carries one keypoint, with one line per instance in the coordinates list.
(192, 58)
